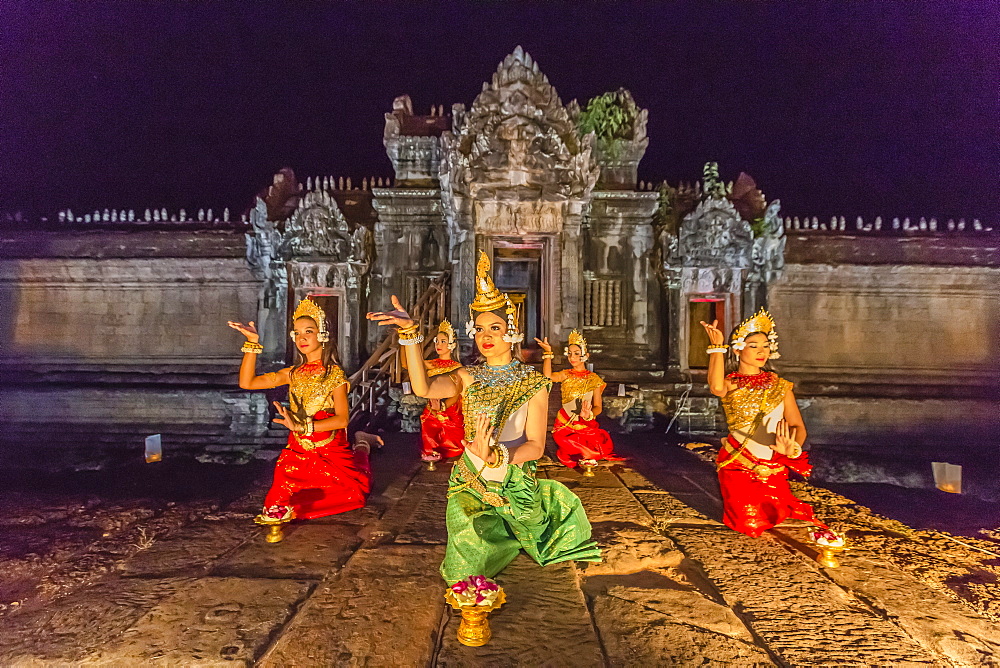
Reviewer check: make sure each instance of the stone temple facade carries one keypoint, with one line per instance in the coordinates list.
(113, 324)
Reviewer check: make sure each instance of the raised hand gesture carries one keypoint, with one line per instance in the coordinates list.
(784, 440)
(544, 344)
(715, 335)
(586, 410)
(249, 331)
(398, 317)
(286, 420)
(480, 445)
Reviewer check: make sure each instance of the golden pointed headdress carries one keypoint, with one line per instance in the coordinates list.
(760, 323)
(488, 298)
(307, 308)
(449, 331)
(576, 339)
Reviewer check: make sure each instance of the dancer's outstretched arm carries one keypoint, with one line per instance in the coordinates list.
(249, 380)
(440, 387)
(717, 384)
(557, 376)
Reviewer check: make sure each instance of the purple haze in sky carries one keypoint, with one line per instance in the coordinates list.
(847, 108)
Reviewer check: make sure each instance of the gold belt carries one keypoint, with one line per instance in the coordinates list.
(473, 482)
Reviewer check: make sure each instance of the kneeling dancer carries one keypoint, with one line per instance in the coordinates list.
(496, 505)
(766, 430)
(318, 473)
(576, 433)
(441, 426)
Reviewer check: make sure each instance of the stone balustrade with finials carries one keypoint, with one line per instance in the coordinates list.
(889, 227)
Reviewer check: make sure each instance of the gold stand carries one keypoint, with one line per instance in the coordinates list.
(474, 629)
(275, 530)
(588, 470)
(432, 465)
(828, 555)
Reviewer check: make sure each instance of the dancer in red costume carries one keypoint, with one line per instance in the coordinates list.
(766, 430)
(318, 473)
(441, 424)
(576, 432)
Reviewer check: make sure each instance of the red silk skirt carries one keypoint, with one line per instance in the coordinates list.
(581, 439)
(442, 432)
(332, 478)
(754, 503)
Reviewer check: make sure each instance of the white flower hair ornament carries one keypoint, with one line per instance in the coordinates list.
(760, 323)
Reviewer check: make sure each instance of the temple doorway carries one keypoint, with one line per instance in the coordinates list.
(520, 270)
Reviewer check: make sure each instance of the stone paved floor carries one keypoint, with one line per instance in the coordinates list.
(138, 581)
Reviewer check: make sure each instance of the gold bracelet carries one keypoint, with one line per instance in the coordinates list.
(252, 347)
(548, 356)
(309, 427)
(404, 331)
(716, 349)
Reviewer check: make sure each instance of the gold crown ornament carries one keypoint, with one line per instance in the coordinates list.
(488, 298)
(307, 308)
(760, 323)
(576, 339)
(449, 331)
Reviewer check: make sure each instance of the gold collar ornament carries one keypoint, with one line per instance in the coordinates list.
(488, 298)
(760, 323)
(307, 308)
(576, 339)
(449, 331)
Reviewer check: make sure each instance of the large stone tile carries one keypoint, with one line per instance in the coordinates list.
(426, 523)
(383, 609)
(65, 631)
(667, 508)
(672, 627)
(938, 622)
(545, 622)
(611, 504)
(209, 622)
(190, 550)
(630, 548)
(309, 551)
(799, 614)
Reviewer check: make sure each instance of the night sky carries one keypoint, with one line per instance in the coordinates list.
(845, 108)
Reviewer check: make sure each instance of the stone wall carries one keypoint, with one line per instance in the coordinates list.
(894, 345)
(124, 314)
(890, 324)
(105, 348)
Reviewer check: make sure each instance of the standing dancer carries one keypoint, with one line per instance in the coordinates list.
(441, 426)
(317, 473)
(576, 432)
(766, 430)
(496, 505)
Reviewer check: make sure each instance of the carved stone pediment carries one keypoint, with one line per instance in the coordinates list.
(319, 228)
(714, 235)
(517, 136)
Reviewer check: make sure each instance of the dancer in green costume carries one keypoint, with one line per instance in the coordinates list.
(496, 505)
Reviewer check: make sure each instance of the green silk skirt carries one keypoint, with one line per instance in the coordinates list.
(543, 518)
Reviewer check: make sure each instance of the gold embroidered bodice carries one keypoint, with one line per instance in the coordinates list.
(577, 385)
(744, 403)
(440, 366)
(309, 392)
(498, 391)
